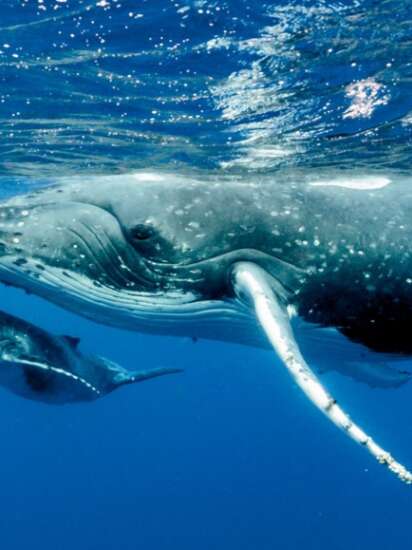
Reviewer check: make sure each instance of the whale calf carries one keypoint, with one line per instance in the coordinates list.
(43, 367)
(282, 263)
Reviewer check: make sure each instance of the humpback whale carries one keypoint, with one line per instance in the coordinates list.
(282, 263)
(43, 367)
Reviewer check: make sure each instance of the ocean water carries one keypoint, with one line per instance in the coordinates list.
(228, 454)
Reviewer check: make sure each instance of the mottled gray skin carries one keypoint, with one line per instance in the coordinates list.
(131, 250)
(42, 367)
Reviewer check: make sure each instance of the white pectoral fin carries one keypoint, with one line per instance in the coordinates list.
(254, 283)
(130, 377)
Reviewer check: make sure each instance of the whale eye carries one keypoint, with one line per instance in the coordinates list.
(141, 232)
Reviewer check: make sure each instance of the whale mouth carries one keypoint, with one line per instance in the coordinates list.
(69, 238)
(172, 313)
(77, 256)
(40, 381)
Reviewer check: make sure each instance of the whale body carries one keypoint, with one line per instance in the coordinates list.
(145, 243)
(250, 262)
(154, 252)
(40, 366)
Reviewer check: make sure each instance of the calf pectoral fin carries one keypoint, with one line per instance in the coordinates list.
(130, 377)
(254, 283)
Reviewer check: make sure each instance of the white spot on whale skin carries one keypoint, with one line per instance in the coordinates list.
(364, 183)
(148, 176)
(195, 225)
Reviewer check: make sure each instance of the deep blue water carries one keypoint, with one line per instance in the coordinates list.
(229, 454)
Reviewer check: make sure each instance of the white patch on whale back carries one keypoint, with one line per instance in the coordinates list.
(361, 183)
(147, 176)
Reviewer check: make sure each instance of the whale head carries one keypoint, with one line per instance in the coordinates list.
(125, 246)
